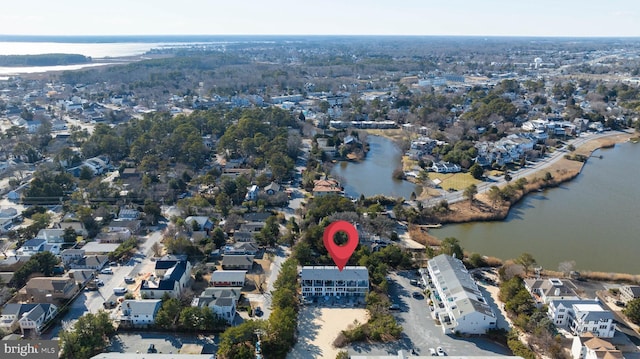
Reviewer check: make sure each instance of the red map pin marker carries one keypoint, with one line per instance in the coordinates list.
(340, 254)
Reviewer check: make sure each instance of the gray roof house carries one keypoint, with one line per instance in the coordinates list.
(28, 317)
(243, 262)
(139, 313)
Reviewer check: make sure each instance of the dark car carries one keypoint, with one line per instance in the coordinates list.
(417, 295)
(152, 349)
(258, 312)
(394, 306)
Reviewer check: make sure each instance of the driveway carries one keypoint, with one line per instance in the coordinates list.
(420, 331)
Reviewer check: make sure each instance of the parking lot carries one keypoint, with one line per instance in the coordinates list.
(420, 332)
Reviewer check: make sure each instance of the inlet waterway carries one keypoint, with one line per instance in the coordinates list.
(593, 220)
(373, 175)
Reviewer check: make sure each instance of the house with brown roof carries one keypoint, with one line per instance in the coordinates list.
(50, 289)
(323, 187)
(589, 346)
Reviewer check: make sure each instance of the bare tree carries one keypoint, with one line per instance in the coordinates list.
(156, 249)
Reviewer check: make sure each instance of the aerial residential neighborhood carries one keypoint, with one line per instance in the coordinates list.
(176, 204)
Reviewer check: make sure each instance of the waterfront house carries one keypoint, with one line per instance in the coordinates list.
(544, 290)
(324, 187)
(460, 306)
(629, 293)
(582, 316)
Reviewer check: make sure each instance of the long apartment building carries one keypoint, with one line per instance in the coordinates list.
(460, 306)
(329, 281)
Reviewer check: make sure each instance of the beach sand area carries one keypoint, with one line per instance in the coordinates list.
(318, 328)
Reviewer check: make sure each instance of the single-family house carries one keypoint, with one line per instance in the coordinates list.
(629, 293)
(581, 316)
(139, 312)
(203, 222)
(272, 188)
(71, 255)
(241, 248)
(172, 277)
(30, 317)
(251, 227)
(93, 262)
(78, 227)
(252, 193)
(128, 214)
(243, 236)
(32, 247)
(237, 262)
(460, 305)
(588, 346)
(133, 225)
(82, 276)
(51, 235)
(323, 187)
(544, 290)
(50, 289)
(228, 278)
(222, 301)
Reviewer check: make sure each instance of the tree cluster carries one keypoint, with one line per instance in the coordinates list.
(88, 336)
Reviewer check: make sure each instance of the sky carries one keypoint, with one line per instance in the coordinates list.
(326, 17)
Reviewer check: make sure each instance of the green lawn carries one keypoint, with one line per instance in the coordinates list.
(457, 181)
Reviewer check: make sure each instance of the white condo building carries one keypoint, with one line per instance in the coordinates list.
(460, 306)
(329, 281)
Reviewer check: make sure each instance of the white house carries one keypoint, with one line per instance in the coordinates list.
(172, 277)
(589, 347)
(445, 167)
(582, 316)
(629, 293)
(329, 281)
(544, 290)
(140, 312)
(228, 278)
(28, 317)
(222, 301)
(71, 255)
(51, 235)
(460, 305)
(32, 247)
(252, 193)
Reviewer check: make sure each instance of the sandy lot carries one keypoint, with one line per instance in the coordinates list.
(318, 327)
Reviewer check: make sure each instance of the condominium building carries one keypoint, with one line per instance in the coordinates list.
(460, 306)
(329, 281)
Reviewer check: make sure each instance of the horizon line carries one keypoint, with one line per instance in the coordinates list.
(317, 35)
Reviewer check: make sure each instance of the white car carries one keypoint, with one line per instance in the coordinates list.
(433, 352)
(441, 351)
(107, 271)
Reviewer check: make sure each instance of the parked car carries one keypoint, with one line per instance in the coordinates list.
(417, 295)
(414, 282)
(394, 306)
(99, 282)
(258, 312)
(106, 271)
(129, 280)
(433, 352)
(441, 351)
(119, 291)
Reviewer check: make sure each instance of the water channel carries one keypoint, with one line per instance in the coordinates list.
(372, 176)
(593, 220)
